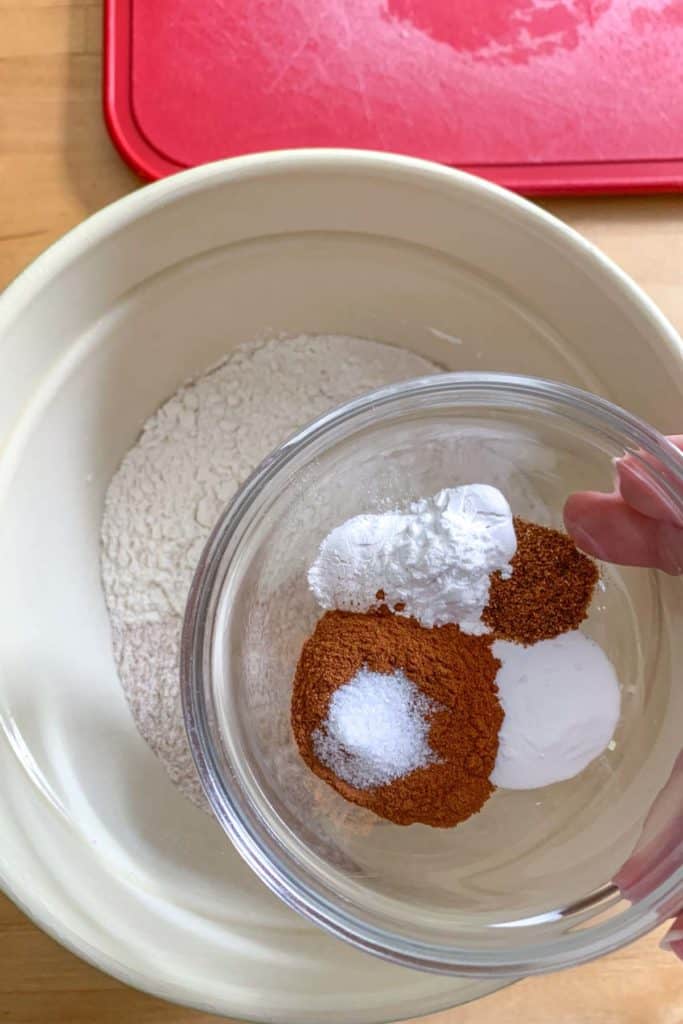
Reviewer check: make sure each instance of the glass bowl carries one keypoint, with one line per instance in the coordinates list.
(527, 885)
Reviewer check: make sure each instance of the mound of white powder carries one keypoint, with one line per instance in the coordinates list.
(376, 729)
(190, 458)
(434, 561)
(561, 700)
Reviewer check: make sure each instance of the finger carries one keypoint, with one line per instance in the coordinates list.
(604, 526)
(643, 491)
(673, 939)
(658, 849)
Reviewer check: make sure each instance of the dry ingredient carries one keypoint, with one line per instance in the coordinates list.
(561, 701)
(433, 562)
(452, 669)
(549, 590)
(191, 456)
(361, 713)
(376, 729)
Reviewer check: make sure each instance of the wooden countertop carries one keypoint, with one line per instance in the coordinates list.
(56, 167)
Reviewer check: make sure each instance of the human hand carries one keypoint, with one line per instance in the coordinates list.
(658, 851)
(636, 525)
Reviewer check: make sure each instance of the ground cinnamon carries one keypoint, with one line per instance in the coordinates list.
(455, 670)
(549, 591)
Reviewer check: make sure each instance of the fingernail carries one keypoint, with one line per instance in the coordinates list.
(673, 935)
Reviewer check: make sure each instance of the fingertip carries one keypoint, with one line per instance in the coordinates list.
(585, 520)
(646, 493)
(673, 940)
(574, 510)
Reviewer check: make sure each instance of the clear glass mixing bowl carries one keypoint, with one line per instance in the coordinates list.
(526, 885)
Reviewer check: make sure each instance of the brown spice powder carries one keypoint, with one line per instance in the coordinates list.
(550, 589)
(456, 670)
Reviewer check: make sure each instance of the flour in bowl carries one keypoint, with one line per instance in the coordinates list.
(192, 455)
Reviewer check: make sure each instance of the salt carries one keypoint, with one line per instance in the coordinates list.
(376, 730)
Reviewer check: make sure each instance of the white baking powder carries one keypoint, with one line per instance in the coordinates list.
(376, 729)
(190, 458)
(433, 561)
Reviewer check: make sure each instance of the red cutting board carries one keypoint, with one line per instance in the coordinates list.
(544, 96)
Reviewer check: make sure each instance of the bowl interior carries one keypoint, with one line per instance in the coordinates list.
(542, 858)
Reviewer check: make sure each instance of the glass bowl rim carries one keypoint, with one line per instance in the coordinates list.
(511, 391)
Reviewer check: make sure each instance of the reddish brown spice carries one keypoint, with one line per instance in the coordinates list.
(455, 670)
(549, 591)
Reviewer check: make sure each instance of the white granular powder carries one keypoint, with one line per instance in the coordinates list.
(561, 700)
(436, 559)
(189, 460)
(376, 730)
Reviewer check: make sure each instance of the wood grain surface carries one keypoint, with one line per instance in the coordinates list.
(56, 167)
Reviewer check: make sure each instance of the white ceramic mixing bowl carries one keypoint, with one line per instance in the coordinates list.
(527, 884)
(97, 846)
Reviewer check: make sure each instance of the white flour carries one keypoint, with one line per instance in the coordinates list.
(192, 455)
